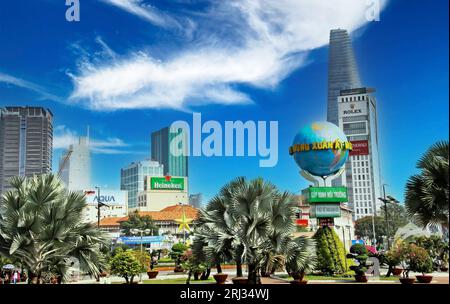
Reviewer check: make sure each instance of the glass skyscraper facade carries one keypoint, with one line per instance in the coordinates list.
(132, 178)
(342, 70)
(26, 142)
(75, 166)
(160, 150)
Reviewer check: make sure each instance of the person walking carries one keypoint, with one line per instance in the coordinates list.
(15, 277)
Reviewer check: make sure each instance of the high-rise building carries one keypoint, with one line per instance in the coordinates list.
(195, 200)
(26, 140)
(132, 178)
(75, 166)
(358, 119)
(173, 165)
(342, 70)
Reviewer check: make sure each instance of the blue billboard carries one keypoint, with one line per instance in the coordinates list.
(137, 240)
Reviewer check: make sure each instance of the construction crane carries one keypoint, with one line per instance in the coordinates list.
(64, 162)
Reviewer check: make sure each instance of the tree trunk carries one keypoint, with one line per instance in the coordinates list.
(389, 272)
(239, 250)
(205, 274)
(126, 280)
(188, 280)
(131, 279)
(219, 268)
(253, 274)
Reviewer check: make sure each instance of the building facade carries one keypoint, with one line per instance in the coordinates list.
(342, 70)
(132, 178)
(116, 204)
(161, 192)
(195, 200)
(75, 166)
(160, 151)
(358, 120)
(26, 142)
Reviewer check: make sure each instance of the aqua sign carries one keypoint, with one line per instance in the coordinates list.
(325, 194)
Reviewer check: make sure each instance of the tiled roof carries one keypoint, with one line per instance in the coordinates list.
(170, 213)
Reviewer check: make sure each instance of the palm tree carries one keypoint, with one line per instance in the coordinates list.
(426, 196)
(301, 257)
(41, 226)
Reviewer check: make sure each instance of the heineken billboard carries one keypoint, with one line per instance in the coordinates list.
(325, 194)
(325, 211)
(167, 183)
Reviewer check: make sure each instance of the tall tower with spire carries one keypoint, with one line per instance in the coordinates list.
(342, 71)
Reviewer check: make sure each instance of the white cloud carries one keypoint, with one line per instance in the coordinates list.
(21, 83)
(144, 11)
(64, 137)
(246, 42)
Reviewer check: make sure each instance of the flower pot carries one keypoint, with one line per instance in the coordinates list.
(265, 274)
(103, 274)
(444, 268)
(397, 271)
(298, 276)
(152, 274)
(424, 278)
(178, 269)
(220, 278)
(361, 278)
(240, 280)
(297, 282)
(407, 281)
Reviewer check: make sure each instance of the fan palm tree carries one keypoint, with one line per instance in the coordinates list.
(41, 226)
(427, 193)
(301, 257)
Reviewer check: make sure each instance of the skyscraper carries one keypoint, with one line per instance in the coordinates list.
(132, 178)
(358, 119)
(173, 165)
(342, 70)
(75, 166)
(26, 140)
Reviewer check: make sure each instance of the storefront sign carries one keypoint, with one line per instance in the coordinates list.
(325, 210)
(108, 197)
(167, 183)
(360, 147)
(325, 194)
(325, 145)
(325, 222)
(137, 240)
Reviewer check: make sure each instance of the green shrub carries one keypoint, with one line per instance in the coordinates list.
(420, 260)
(126, 265)
(330, 252)
(361, 254)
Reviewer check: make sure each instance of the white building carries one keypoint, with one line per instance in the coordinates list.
(161, 192)
(116, 204)
(358, 119)
(75, 166)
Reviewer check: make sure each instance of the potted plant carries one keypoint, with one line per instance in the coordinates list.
(360, 253)
(421, 262)
(302, 260)
(240, 280)
(392, 259)
(406, 252)
(151, 272)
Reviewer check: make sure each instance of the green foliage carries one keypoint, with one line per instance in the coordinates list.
(136, 221)
(360, 253)
(301, 256)
(126, 265)
(41, 225)
(436, 247)
(330, 252)
(177, 252)
(143, 258)
(420, 260)
(427, 193)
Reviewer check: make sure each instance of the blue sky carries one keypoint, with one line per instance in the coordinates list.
(130, 67)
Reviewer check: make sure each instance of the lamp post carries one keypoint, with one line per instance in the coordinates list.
(141, 232)
(386, 200)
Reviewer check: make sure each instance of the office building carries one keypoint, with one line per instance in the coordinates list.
(26, 140)
(342, 70)
(195, 200)
(75, 166)
(115, 204)
(358, 120)
(132, 178)
(160, 192)
(160, 151)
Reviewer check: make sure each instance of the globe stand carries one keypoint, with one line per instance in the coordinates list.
(323, 181)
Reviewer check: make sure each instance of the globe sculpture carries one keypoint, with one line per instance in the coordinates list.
(320, 148)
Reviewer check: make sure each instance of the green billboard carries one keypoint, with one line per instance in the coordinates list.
(165, 183)
(325, 194)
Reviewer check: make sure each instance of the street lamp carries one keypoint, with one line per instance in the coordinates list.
(141, 232)
(386, 201)
(99, 205)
